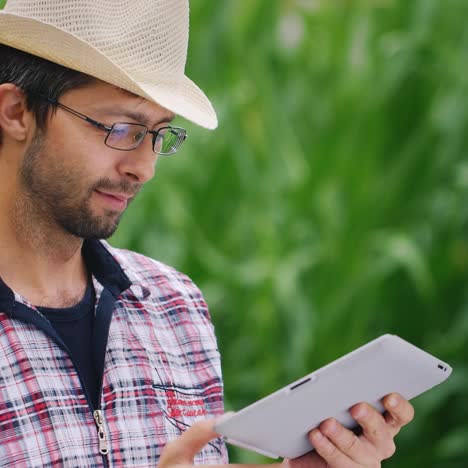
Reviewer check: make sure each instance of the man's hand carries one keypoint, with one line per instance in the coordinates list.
(335, 446)
(338, 447)
(180, 452)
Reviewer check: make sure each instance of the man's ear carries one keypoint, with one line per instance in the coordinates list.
(15, 119)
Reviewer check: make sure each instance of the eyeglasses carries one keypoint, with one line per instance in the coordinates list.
(125, 136)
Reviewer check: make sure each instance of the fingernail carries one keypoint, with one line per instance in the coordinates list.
(361, 412)
(331, 427)
(317, 435)
(392, 401)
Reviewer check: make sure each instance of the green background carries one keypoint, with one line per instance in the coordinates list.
(331, 204)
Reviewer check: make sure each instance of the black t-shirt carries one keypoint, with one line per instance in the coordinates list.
(75, 326)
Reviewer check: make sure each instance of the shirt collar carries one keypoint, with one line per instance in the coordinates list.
(105, 267)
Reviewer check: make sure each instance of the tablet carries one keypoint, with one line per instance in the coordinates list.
(277, 425)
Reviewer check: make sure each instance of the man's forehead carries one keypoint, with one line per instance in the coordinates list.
(144, 110)
(128, 93)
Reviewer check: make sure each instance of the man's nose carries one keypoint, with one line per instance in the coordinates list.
(139, 164)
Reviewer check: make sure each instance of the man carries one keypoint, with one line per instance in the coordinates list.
(106, 355)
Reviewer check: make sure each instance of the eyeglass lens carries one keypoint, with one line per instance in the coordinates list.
(168, 140)
(127, 136)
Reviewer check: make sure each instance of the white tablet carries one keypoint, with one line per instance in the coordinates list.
(277, 426)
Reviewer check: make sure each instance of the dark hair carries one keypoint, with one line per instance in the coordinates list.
(38, 77)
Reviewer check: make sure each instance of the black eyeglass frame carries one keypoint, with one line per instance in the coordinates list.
(181, 132)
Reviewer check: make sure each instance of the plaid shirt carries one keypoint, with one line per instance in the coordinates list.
(161, 371)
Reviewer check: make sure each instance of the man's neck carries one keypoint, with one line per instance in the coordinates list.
(38, 260)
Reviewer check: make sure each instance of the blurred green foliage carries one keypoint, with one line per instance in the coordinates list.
(331, 204)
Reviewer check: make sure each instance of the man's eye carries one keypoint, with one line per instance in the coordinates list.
(138, 136)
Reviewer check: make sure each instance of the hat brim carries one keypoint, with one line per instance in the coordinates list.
(179, 95)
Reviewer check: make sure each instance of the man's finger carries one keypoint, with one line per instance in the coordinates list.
(330, 453)
(347, 442)
(375, 429)
(183, 449)
(400, 411)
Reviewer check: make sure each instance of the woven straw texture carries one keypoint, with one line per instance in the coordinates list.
(138, 45)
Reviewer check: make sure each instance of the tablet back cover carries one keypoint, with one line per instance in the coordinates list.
(278, 424)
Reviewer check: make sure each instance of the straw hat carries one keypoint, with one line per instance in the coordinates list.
(137, 45)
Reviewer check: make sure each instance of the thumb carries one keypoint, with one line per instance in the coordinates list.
(183, 449)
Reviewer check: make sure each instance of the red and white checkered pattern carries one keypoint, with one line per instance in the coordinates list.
(162, 370)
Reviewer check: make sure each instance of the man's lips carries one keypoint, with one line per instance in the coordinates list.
(118, 201)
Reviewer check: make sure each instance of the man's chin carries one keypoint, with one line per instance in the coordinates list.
(94, 229)
(104, 233)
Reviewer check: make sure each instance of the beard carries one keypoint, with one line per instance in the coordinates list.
(57, 193)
